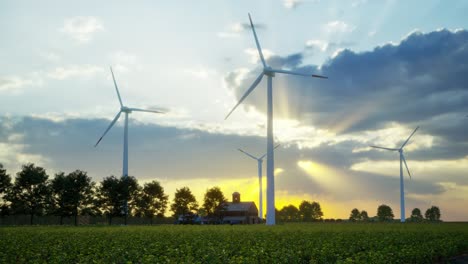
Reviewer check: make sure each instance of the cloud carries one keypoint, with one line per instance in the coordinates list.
(236, 29)
(316, 45)
(338, 26)
(82, 29)
(291, 4)
(73, 71)
(420, 80)
(255, 57)
(201, 72)
(14, 84)
(123, 61)
(50, 57)
(357, 3)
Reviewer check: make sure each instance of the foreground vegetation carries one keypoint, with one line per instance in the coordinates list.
(289, 243)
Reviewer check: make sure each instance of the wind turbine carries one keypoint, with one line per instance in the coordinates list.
(270, 73)
(402, 187)
(260, 191)
(127, 111)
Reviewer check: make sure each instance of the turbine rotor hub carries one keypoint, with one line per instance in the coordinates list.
(125, 109)
(269, 71)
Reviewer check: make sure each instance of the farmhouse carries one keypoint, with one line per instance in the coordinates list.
(238, 212)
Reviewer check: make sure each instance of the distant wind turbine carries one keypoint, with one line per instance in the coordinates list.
(127, 111)
(260, 189)
(402, 187)
(270, 73)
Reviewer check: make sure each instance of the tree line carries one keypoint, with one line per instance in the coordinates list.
(75, 194)
(385, 214)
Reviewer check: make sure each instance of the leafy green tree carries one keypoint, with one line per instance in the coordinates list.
(433, 214)
(5, 186)
(364, 216)
(355, 215)
(152, 202)
(416, 215)
(184, 202)
(384, 213)
(30, 192)
(214, 202)
(117, 196)
(80, 193)
(59, 203)
(310, 211)
(289, 213)
(72, 194)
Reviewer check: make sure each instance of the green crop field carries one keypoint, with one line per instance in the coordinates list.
(289, 243)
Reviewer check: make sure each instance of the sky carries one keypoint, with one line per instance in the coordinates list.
(392, 66)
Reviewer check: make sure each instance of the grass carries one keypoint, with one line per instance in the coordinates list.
(288, 243)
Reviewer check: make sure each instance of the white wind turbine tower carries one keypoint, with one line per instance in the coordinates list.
(270, 73)
(260, 188)
(127, 111)
(402, 187)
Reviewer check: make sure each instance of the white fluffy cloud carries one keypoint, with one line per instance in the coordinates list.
(85, 71)
(292, 3)
(123, 61)
(234, 30)
(317, 44)
(201, 72)
(81, 28)
(338, 26)
(255, 57)
(15, 84)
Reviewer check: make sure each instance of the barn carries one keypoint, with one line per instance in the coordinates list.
(238, 212)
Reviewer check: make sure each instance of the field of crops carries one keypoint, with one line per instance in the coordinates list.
(289, 243)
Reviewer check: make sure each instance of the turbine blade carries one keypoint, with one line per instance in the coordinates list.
(251, 88)
(392, 149)
(258, 43)
(116, 89)
(108, 128)
(145, 110)
(300, 74)
(406, 165)
(253, 157)
(267, 153)
(404, 144)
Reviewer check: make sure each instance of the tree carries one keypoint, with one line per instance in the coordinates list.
(289, 213)
(433, 214)
(214, 203)
(184, 202)
(310, 211)
(416, 215)
(384, 213)
(355, 215)
(30, 192)
(152, 201)
(59, 198)
(364, 216)
(117, 196)
(5, 185)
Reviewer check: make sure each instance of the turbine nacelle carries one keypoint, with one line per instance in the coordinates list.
(125, 109)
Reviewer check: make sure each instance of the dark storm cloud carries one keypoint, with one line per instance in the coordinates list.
(421, 78)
